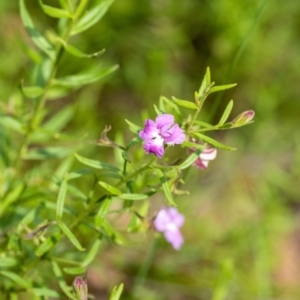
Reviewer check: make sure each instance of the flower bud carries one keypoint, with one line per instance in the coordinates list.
(243, 118)
(80, 288)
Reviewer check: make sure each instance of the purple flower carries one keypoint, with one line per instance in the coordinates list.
(163, 130)
(205, 157)
(168, 221)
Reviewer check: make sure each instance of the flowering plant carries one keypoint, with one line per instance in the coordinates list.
(51, 223)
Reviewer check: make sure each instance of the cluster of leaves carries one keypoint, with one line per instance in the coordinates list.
(49, 222)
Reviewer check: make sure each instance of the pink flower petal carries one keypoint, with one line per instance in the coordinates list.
(208, 154)
(164, 119)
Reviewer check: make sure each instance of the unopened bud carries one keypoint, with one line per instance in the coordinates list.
(81, 289)
(244, 118)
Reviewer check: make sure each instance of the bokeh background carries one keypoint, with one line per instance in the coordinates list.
(242, 217)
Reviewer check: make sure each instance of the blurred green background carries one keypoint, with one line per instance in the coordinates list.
(242, 235)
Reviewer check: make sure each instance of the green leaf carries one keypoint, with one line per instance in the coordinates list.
(223, 282)
(102, 212)
(79, 173)
(60, 278)
(8, 262)
(54, 12)
(157, 110)
(171, 104)
(97, 164)
(226, 113)
(47, 153)
(85, 78)
(35, 35)
(207, 77)
(31, 91)
(192, 145)
(90, 256)
(213, 142)
(70, 235)
(61, 199)
(111, 189)
(21, 282)
(45, 292)
(75, 270)
(116, 292)
(11, 197)
(221, 88)
(133, 196)
(47, 245)
(133, 127)
(184, 103)
(190, 160)
(204, 84)
(11, 123)
(60, 119)
(165, 186)
(92, 16)
(204, 124)
(74, 51)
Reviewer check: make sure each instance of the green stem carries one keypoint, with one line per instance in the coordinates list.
(145, 267)
(34, 121)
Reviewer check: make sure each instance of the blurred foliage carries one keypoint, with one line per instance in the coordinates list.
(242, 214)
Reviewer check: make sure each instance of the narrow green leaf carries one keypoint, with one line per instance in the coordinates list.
(90, 256)
(79, 173)
(133, 127)
(190, 160)
(192, 145)
(203, 124)
(213, 142)
(45, 292)
(48, 244)
(165, 186)
(116, 292)
(171, 104)
(223, 282)
(75, 270)
(226, 113)
(47, 153)
(133, 196)
(202, 86)
(70, 235)
(31, 91)
(8, 262)
(60, 278)
(96, 164)
(111, 189)
(207, 76)
(21, 282)
(92, 16)
(74, 51)
(80, 8)
(35, 35)
(54, 12)
(60, 119)
(157, 110)
(11, 197)
(184, 103)
(85, 78)
(102, 212)
(11, 123)
(221, 88)
(61, 199)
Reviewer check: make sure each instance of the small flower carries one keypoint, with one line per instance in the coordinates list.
(205, 157)
(168, 221)
(80, 288)
(162, 130)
